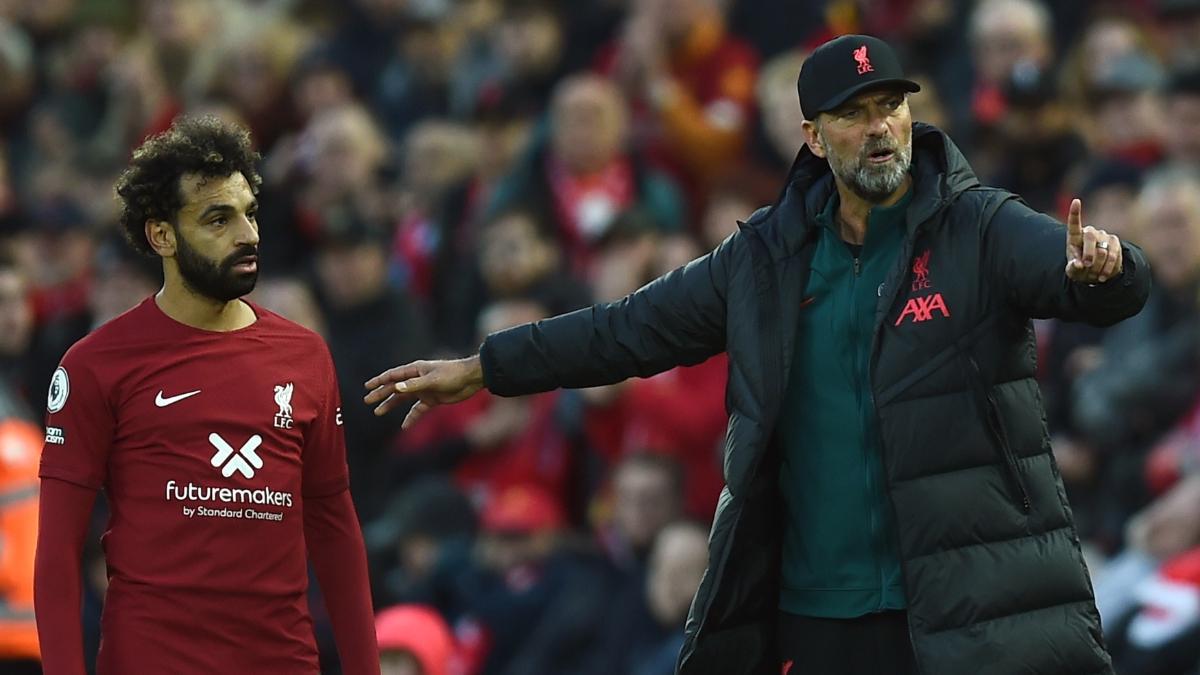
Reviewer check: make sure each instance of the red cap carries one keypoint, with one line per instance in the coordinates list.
(522, 508)
(420, 631)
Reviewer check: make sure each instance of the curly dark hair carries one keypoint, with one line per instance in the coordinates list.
(149, 187)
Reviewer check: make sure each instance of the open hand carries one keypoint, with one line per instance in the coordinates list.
(1093, 256)
(430, 382)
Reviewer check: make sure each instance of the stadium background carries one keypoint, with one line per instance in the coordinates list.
(439, 169)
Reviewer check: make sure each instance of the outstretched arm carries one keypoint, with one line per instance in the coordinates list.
(677, 319)
(1077, 274)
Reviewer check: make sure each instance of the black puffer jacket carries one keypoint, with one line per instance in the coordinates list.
(995, 580)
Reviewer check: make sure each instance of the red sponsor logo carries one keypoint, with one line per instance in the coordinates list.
(864, 61)
(922, 308)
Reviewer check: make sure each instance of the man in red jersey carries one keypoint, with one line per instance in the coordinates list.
(214, 427)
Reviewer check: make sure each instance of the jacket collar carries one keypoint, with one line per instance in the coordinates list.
(940, 174)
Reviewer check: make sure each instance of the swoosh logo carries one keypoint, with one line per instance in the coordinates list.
(163, 402)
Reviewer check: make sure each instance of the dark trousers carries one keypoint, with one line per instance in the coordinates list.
(875, 644)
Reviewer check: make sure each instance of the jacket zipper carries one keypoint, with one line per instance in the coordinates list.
(996, 427)
(872, 488)
(906, 257)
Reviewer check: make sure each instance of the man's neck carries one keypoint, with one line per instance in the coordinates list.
(191, 309)
(853, 210)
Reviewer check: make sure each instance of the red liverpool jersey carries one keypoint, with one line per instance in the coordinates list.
(206, 444)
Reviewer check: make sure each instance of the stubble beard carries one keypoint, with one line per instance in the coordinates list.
(873, 183)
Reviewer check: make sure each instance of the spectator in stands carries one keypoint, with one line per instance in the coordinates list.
(16, 71)
(414, 640)
(422, 543)
(585, 175)
(1007, 37)
(21, 394)
(437, 155)
(252, 75)
(776, 100)
(517, 258)
(539, 602)
(1030, 150)
(727, 204)
(370, 323)
(415, 83)
(318, 83)
(493, 443)
(691, 82)
(1107, 38)
(1182, 108)
(647, 495)
(59, 256)
(520, 54)
(1179, 23)
(1124, 119)
(339, 157)
(677, 564)
(503, 127)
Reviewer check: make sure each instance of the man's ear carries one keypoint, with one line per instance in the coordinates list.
(161, 236)
(812, 138)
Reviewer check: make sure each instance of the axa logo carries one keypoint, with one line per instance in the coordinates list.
(864, 61)
(922, 308)
(243, 460)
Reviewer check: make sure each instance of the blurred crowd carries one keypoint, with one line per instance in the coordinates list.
(435, 170)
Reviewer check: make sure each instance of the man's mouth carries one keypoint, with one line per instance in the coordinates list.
(247, 265)
(880, 156)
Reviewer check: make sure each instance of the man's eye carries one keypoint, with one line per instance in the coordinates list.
(850, 114)
(252, 215)
(221, 221)
(894, 103)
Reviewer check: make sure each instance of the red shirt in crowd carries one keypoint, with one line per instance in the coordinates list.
(208, 445)
(680, 413)
(539, 453)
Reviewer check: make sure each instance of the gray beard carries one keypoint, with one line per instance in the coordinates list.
(872, 183)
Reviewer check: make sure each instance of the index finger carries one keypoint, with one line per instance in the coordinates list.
(1075, 221)
(392, 375)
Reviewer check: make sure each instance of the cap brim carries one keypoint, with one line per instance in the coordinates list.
(896, 82)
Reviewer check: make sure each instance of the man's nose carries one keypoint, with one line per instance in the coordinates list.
(877, 125)
(247, 232)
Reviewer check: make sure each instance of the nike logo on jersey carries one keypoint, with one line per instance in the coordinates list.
(164, 401)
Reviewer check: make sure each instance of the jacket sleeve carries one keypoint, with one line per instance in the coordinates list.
(677, 319)
(1025, 252)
